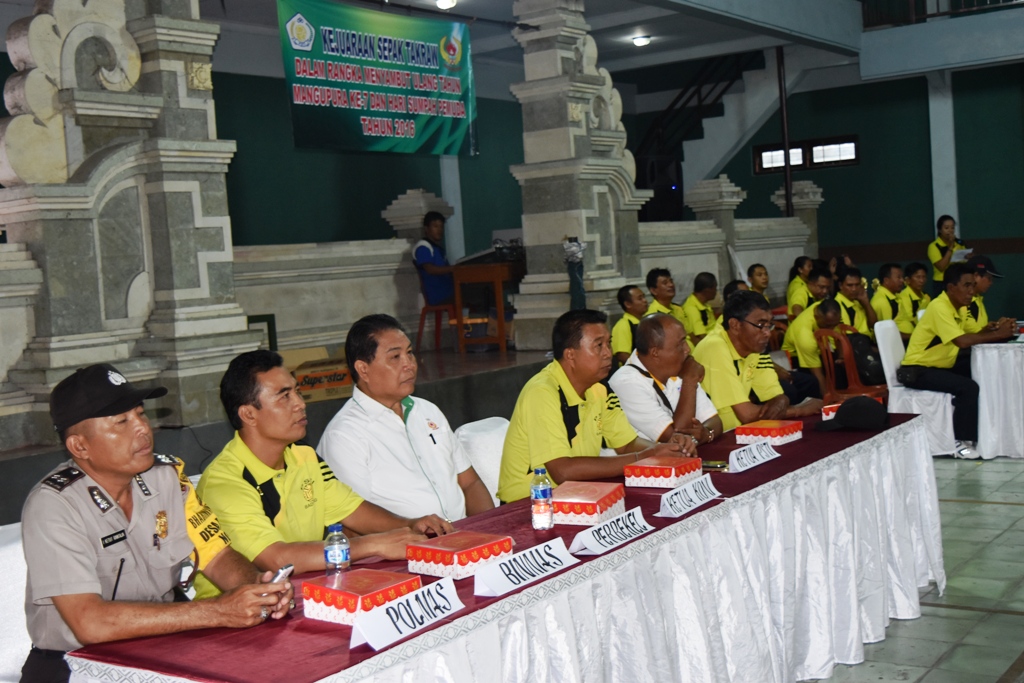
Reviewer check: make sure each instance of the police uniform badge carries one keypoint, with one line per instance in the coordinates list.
(161, 528)
(101, 501)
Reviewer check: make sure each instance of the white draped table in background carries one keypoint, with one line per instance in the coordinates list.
(999, 371)
(774, 585)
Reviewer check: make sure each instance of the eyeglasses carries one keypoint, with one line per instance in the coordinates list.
(764, 326)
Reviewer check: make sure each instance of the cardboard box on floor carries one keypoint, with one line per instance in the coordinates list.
(319, 378)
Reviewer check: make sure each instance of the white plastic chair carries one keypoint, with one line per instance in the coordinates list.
(13, 633)
(483, 441)
(935, 405)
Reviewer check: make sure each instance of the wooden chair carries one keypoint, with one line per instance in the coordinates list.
(437, 310)
(854, 387)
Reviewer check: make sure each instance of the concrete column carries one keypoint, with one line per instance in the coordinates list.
(716, 200)
(451, 190)
(807, 198)
(943, 145)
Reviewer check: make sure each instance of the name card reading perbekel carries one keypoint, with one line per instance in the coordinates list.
(603, 537)
(523, 568)
(687, 497)
(407, 615)
(751, 456)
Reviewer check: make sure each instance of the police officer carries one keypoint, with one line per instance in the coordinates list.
(109, 535)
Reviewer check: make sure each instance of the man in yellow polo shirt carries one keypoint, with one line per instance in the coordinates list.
(801, 344)
(977, 317)
(700, 319)
(817, 287)
(275, 497)
(565, 415)
(886, 301)
(735, 362)
(757, 274)
(912, 298)
(934, 360)
(663, 290)
(634, 306)
(853, 302)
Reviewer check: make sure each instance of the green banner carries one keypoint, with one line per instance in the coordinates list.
(364, 80)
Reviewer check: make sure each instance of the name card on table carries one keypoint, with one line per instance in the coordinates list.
(603, 537)
(687, 497)
(751, 455)
(400, 618)
(532, 564)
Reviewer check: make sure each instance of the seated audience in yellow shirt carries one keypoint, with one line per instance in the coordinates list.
(634, 306)
(801, 344)
(912, 298)
(886, 300)
(757, 275)
(700, 319)
(977, 317)
(853, 302)
(663, 290)
(733, 287)
(796, 291)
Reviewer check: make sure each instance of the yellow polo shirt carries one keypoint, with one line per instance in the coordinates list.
(800, 339)
(311, 498)
(935, 252)
(674, 310)
(885, 303)
(797, 293)
(977, 316)
(853, 314)
(700, 319)
(538, 432)
(910, 304)
(729, 378)
(931, 343)
(622, 334)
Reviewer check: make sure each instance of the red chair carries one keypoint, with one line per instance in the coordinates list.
(854, 387)
(437, 310)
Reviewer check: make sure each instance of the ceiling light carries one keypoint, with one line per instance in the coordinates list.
(446, 4)
(639, 41)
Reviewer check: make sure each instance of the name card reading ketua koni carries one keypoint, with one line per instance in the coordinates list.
(402, 617)
(532, 564)
(750, 456)
(605, 536)
(687, 497)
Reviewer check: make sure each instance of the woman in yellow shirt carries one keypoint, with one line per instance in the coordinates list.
(940, 252)
(797, 290)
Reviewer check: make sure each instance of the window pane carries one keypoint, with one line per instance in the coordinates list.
(771, 159)
(796, 156)
(817, 154)
(847, 150)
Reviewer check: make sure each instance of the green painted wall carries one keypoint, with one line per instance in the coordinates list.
(491, 197)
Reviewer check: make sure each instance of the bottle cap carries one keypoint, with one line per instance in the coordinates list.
(335, 528)
(540, 470)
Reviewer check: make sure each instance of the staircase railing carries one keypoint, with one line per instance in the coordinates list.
(880, 13)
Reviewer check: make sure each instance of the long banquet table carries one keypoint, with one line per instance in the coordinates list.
(805, 559)
(999, 371)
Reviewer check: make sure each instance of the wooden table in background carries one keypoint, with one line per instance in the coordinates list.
(497, 274)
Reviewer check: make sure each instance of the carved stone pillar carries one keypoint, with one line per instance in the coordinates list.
(807, 198)
(577, 177)
(115, 182)
(717, 200)
(405, 214)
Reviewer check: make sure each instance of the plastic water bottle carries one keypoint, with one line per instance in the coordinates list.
(336, 550)
(540, 496)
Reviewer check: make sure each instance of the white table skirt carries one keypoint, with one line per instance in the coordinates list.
(999, 371)
(776, 585)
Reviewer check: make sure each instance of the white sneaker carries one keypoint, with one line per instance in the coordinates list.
(966, 450)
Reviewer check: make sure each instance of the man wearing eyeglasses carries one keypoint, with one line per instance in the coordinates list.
(736, 364)
(108, 534)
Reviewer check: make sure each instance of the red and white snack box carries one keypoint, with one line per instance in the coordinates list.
(663, 471)
(775, 432)
(588, 502)
(458, 554)
(339, 598)
(829, 411)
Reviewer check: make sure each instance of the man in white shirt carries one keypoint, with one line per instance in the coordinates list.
(393, 449)
(658, 387)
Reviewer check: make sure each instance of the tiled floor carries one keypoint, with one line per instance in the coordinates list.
(974, 633)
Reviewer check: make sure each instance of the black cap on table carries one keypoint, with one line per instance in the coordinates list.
(858, 413)
(95, 391)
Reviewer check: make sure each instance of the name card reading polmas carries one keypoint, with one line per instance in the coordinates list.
(407, 615)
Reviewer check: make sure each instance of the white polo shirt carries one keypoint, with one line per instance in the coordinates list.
(639, 399)
(409, 467)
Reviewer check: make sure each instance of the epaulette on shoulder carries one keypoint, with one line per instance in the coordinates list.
(165, 459)
(58, 481)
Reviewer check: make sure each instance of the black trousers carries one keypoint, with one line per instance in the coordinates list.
(45, 666)
(956, 381)
(802, 385)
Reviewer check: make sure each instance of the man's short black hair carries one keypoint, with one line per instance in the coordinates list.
(818, 273)
(753, 267)
(568, 331)
(741, 304)
(432, 216)
(653, 274)
(955, 273)
(913, 268)
(624, 295)
(650, 333)
(732, 288)
(361, 342)
(829, 306)
(704, 281)
(849, 271)
(239, 386)
(885, 270)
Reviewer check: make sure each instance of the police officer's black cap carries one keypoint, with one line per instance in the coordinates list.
(982, 265)
(859, 413)
(95, 391)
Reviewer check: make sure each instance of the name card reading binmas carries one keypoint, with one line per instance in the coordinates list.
(687, 497)
(400, 618)
(532, 564)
